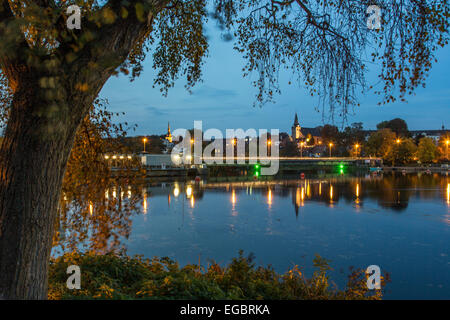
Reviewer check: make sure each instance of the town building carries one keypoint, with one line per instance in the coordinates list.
(309, 136)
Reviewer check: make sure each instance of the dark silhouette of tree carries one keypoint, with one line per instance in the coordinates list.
(329, 133)
(397, 125)
(290, 149)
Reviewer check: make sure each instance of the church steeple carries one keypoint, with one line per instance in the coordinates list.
(296, 129)
(168, 135)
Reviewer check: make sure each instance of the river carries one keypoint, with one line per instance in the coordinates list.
(399, 222)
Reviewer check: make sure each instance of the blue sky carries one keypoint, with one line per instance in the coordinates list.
(225, 100)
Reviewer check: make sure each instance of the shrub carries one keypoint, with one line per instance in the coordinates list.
(122, 277)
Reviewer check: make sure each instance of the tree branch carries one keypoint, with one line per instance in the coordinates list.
(14, 45)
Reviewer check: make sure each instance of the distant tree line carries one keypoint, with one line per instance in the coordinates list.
(392, 141)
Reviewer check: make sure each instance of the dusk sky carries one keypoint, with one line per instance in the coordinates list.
(226, 100)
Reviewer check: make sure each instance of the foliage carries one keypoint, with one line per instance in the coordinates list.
(402, 152)
(427, 150)
(86, 216)
(379, 142)
(308, 39)
(289, 149)
(329, 133)
(397, 125)
(443, 147)
(135, 145)
(120, 277)
(351, 136)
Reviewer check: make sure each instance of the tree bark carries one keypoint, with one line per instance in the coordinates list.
(33, 155)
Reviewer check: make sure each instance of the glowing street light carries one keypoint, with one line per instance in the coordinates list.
(331, 146)
(356, 149)
(398, 143)
(145, 141)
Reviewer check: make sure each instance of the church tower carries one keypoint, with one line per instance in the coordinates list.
(168, 135)
(296, 129)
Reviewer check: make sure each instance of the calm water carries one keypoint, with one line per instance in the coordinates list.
(401, 223)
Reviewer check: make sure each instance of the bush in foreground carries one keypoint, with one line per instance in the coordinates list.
(121, 277)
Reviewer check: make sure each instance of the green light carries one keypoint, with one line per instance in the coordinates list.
(342, 171)
(341, 166)
(256, 170)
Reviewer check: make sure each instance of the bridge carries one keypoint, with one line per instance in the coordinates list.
(290, 165)
(313, 160)
(249, 166)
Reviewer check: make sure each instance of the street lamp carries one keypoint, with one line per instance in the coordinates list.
(331, 145)
(356, 149)
(447, 142)
(398, 143)
(145, 141)
(192, 151)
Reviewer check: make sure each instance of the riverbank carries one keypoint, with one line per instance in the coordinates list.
(416, 169)
(121, 277)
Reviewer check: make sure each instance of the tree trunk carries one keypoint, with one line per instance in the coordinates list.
(39, 137)
(33, 155)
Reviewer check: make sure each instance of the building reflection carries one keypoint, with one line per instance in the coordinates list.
(105, 214)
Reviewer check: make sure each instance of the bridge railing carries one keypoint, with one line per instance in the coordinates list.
(258, 159)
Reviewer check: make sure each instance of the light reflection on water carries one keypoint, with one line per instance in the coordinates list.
(401, 223)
